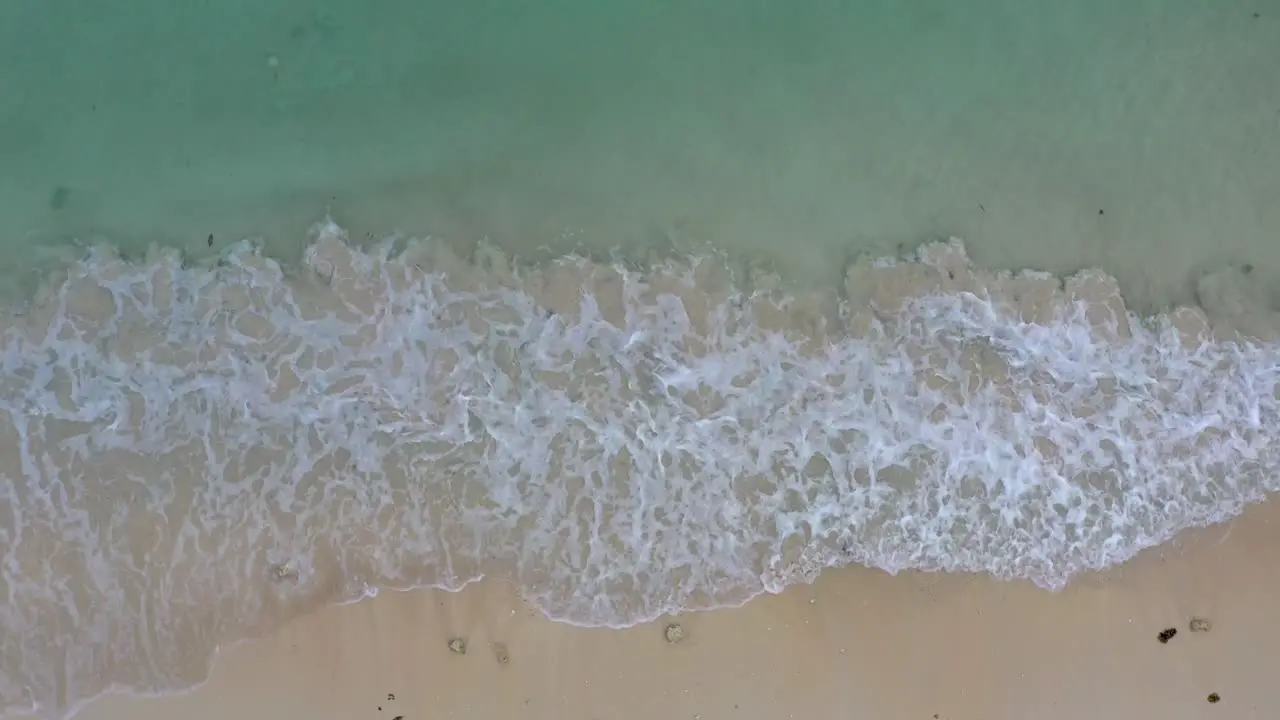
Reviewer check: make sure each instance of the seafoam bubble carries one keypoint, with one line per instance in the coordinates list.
(190, 455)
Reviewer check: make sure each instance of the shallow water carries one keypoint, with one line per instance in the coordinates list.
(793, 132)
(769, 378)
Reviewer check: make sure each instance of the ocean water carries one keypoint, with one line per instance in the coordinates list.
(643, 306)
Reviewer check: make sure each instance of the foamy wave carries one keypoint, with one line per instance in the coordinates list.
(191, 455)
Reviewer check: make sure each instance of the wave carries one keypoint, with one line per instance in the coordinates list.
(193, 455)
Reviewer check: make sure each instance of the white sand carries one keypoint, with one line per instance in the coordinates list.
(857, 644)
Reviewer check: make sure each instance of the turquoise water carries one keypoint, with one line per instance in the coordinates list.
(795, 132)
(677, 332)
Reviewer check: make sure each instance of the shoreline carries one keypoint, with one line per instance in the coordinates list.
(857, 643)
(838, 608)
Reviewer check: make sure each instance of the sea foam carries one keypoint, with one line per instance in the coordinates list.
(192, 455)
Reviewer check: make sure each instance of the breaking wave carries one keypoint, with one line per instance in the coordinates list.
(192, 455)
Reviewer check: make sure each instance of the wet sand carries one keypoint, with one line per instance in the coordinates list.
(857, 644)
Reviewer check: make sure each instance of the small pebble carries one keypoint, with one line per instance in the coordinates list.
(1166, 635)
(1214, 697)
(284, 571)
(458, 645)
(674, 633)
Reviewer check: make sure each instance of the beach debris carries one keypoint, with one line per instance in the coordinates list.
(501, 654)
(674, 633)
(284, 571)
(1213, 698)
(1166, 635)
(458, 645)
(1201, 624)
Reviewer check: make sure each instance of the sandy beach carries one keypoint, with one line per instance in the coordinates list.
(857, 644)
(633, 308)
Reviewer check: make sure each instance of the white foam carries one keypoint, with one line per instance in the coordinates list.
(190, 455)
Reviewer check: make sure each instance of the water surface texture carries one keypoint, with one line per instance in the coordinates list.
(708, 297)
(789, 131)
